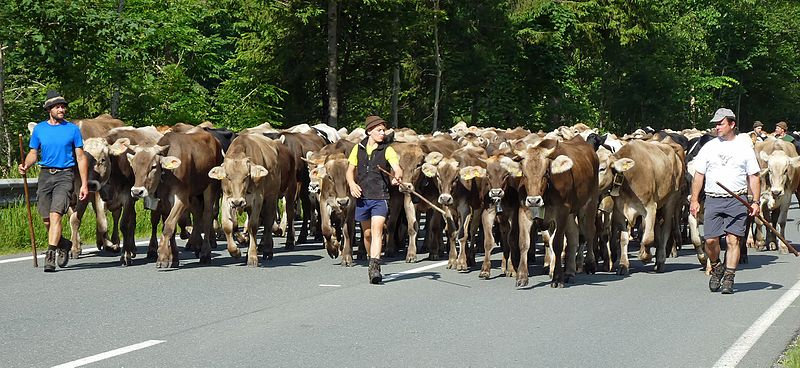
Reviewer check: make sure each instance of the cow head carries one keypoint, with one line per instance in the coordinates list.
(313, 162)
(332, 185)
(97, 153)
(147, 163)
(410, 157)
(538, 164)
(238, 176)
(500, 170)
(610, 170)
(780, 171)
(445, 174)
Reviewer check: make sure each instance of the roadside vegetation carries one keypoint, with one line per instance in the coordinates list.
(791, 358)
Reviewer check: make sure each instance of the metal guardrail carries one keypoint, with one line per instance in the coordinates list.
(12, 191)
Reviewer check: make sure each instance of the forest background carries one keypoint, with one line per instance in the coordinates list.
(423, 64)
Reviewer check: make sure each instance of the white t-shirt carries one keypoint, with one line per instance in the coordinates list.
(727, 162)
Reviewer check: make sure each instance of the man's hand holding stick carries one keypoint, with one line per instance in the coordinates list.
(766, 223)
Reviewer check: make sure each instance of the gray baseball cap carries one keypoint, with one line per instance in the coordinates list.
(723, 113)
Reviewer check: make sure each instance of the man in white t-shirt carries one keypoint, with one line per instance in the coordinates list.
(731, 161)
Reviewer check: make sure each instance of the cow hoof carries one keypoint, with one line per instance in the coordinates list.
(333, 252)
(433, 257)
(347, 261)
(570, 279)
(589, 268)
(484, 275)
(462, 267)
(522, 282)
(268, 256)
(622, 271)
(75, 253)
(411, 258)
(152, 254)
(252, 262)
(659, 268)
(235, 254)
(557, 284)
(290, 246)
(451, 263)
(126, 260)
(205, 259)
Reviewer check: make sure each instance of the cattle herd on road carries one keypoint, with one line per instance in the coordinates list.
(586, 194)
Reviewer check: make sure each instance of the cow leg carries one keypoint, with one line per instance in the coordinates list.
(207, 224)
(229, 227)
(525, 220)
(101, 233)
(562, 225)
(168, 255)
(621, 234)
(571, 235)
(413, 229)
(280, 228)
(463, 237)
(127, 219)
(694, 234)
(115, 215)
(308, 213)
(784, 212)
(348, 234)
(75, 217)
(259, 212)
(648, 233)
(452, 234)
(328, 232)
(471, 235)
(589, 231)
(290, 207)
(152, 246)
(487, 221)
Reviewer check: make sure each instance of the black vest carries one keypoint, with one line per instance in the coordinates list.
(374, 183)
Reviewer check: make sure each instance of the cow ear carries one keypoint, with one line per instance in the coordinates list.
(433, 158)
(480, 172)
(31, 125)
(624, 164)
(282, 139)
(503, 146)
(119, 147)
(217, 173)
(162, 150)
(512, 167)
(170, 162)
(318, 173)
(258, 171)
(429, 170)
(764, 156)
(521, 153)
(560, 164)
(763, 173)
(795, 162)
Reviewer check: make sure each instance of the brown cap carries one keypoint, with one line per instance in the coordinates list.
(757, 124)
(373, 121)
(783, 126)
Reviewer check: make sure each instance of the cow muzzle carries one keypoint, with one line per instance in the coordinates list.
(496, 194)
(344, 202)
(534, 201)
(446, 199)
(406, 188)
(313, 188)
(777, 192)
(237, 202)
(138, 192)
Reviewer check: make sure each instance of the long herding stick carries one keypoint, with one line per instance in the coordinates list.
(28, 204)
(766, 223)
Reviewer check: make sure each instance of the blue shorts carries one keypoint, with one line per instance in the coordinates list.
(724, 215)
(367, 208)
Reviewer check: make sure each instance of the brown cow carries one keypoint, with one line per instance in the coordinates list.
(780, 179)
(175, 170)
(256, 172)
(560, 177)
(337, 208)
(649, 182)
(502, 180)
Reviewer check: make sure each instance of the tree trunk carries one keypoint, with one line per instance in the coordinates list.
(395, 92)
(115, 87)
(438, 87)
(333, 98)
(7, 150)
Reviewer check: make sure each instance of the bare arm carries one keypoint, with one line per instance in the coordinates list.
(697, 185)
(398, 174)
(355, 189)
(755, 188)
(83, 170)
(30, 159)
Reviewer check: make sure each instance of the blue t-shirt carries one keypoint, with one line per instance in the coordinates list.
(56, 143)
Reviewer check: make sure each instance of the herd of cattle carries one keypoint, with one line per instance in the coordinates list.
(587, 195)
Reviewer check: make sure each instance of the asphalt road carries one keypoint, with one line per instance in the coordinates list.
(303, 309)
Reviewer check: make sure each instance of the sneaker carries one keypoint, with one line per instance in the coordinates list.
(717, 269)
(727, 282)
(62, 253)
(375, 276)
(50, 261)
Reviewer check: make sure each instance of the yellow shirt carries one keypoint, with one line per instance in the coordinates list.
(391, 155)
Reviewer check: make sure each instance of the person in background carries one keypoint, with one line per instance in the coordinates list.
(780, 131)
(60, 145)
(758, 129)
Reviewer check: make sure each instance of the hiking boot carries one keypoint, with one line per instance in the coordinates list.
(727, 282)
(375, 276)
(50, 260)
(62, 253)
(717, 269)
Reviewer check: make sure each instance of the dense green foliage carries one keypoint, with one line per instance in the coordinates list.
(613, 64)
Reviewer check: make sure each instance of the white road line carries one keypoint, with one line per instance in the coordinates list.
(739, 349)
(109, 354)
(393, 276)
(85, 251)
(329, 285)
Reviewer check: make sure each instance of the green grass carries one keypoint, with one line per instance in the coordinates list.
(15, 237)
(791, 359)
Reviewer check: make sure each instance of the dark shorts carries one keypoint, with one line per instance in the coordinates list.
(724, 215)
(54, 191)
(367, 208)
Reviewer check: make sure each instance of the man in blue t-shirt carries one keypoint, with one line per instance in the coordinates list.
(61, 147)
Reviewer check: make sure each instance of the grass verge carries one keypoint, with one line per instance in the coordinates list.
(14, 236)
(791, 358)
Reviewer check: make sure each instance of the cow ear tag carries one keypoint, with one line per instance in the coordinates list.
(429, 170)
(170, 162)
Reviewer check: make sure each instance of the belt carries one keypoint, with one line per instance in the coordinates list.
(726, 194)
(54, 170)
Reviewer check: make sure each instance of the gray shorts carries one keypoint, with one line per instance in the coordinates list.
(724, 215)
(54, 191)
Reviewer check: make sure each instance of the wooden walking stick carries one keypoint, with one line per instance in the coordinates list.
(419, 196)
(28, 204)
(760, 217)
